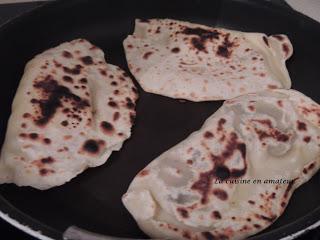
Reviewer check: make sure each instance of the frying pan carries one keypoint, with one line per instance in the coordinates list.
(92, 201)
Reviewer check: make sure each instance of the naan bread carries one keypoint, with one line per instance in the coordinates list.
(191, 61)
(71, 110)
(190, 191)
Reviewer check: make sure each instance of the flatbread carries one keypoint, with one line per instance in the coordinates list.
(197, 189)
(199, 63)
(71, 110)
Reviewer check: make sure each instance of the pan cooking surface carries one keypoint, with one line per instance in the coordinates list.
(93, 199)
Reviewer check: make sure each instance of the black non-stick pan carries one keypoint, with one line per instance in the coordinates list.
(92, 201)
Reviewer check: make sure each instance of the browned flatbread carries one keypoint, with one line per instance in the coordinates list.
(196, 189)
(70, 112)
(199, 63)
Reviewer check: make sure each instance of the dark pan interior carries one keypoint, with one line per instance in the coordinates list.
(93, 200)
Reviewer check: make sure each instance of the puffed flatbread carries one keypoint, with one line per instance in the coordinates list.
(196, 189)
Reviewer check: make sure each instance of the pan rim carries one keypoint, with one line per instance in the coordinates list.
(24, 228)
(290, 231)
(38, 234)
